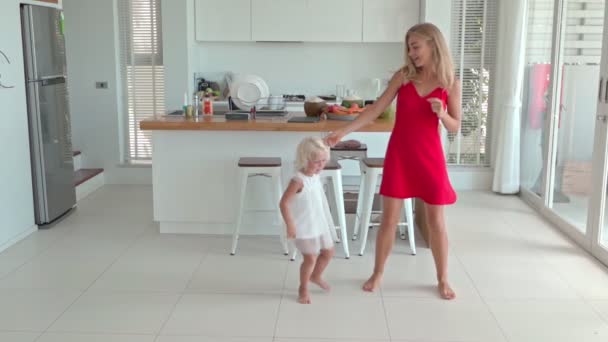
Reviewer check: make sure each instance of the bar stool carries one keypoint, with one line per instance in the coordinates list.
(372, 168)
(254, 167)
(333, 172)
(349, 150)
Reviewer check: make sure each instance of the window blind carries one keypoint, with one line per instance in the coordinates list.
(473, 45)
(584, 23)
(142, 71)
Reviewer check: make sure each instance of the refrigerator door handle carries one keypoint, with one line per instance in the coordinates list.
(47, 81)
(37, 149)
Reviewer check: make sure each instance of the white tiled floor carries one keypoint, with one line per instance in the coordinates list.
(105, 274)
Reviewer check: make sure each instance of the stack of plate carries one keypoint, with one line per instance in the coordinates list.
(248, 91)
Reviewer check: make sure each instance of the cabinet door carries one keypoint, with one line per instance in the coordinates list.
(389, 20)
(334, 20)
(278, 20)
(225, 20)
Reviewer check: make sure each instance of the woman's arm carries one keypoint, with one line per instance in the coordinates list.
(371, 112)
(451, 117)
(293, 188)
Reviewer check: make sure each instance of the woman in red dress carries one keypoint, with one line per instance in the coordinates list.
(427, 94)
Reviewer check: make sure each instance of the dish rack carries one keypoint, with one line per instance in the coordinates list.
(261, 107)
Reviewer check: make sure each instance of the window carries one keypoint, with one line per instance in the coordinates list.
(473, 45)
(584, 24)
(141, 64)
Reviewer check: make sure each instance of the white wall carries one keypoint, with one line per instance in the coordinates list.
(90, 29)
(16, 199)
(305, 68)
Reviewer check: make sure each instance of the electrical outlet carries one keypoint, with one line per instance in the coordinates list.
(101, 85)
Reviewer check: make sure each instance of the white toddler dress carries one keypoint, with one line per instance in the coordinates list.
(311, 216)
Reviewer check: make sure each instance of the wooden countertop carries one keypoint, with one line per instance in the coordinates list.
(219, 123)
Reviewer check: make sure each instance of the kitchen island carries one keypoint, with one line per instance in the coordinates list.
(194, 167)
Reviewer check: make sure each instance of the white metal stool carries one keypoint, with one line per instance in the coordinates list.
(333, 171)
(351, 150)
(371, 169)
(253, 167)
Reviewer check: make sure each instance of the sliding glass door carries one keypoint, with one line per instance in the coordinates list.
(598, 215)
(564, 127)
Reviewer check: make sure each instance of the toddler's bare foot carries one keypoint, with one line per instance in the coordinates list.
(303, 297)
(321, 283)
(372, 283)
(445, 291)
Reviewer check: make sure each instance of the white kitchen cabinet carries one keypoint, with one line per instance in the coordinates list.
(278, 20)
(334, 20)
(307, 20)
(389, 20)
(225, 20)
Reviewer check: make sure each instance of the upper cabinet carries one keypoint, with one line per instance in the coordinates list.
(305, 20)
(225, 20)
(333, 20)
(278, 20)
(389, 20)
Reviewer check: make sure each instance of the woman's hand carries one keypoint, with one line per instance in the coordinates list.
(333, 138)
(437, 107)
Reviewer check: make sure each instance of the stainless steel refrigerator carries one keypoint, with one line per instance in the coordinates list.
(48, 112)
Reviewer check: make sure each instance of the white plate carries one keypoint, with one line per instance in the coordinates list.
(249, 90)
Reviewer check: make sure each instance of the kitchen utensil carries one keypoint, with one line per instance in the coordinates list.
(248, 91)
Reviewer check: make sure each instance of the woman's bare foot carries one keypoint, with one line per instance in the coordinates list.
(321, 283)
(372, 283)
(445, 291)
(303, 297)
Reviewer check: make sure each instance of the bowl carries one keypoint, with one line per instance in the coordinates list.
(315, 108)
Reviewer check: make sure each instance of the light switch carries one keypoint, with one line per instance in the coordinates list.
(101, 85)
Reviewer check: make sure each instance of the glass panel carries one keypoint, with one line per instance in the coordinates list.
(603, 238)
(580, 53)
(536, 93)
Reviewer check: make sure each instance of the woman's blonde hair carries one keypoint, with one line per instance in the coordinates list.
(442, 66)
(308, 148)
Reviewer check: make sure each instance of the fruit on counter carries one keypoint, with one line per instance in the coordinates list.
(350, 100)
(209, 92)
(354, 108)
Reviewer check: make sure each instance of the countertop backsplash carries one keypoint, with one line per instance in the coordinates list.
(305, 68)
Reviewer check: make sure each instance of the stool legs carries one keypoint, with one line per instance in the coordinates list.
(276, 178)
(366, 192)
(243, 175)
(371, 179)
(360, 201)
(409, 218)
(275, 174)
(339, 200)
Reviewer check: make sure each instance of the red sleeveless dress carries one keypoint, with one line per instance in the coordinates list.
(415, 165)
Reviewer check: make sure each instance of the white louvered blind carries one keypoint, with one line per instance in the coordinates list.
(141, 59)
(583, 21)
(473, 45)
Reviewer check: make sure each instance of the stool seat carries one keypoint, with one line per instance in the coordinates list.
(373, 162)
(259, 162)
(332, 165)
(349, 145)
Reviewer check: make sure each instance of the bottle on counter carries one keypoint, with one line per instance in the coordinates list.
(208, 105)
(195, 105)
